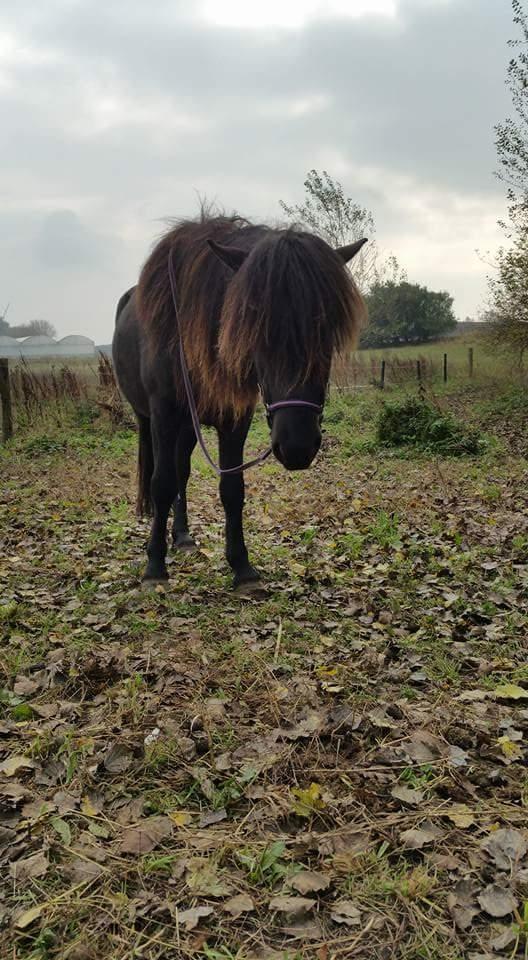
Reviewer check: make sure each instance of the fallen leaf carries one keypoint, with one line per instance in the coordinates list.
(510, 691)
(12, 765)
(203, 878)
(26, 918)
(504, 939)
(191, 918)
(212, 817)
(346, 912)
(460, 814)
(238, 905)
(291, 905)
(308, 726)
(510, 750)
(63, 829)
(25, 687)
(416, 838)
(35, 866)
(308, 801)
(412, 797)
(180, 818)
(118, 758)
(146, 835)
(497, 900)
(308, 881)
(505, 847)
(461, 903)
(83, 870)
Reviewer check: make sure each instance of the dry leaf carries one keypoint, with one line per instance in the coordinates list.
(510, 750)
(308, 801)
(191, 918)
(497, 900)
(203, 879)
(28, 917)
(12, 765)
(84, 869)
(460, 814)
(35, 866)
(180, 818)
(505, 847)
(238, 905)
(146, 835)
(310, 725)
(510, 691)
(419, 837)
(307, 881)
(346, 912)
(118, 758)
(212, 817)
(291, 905)
(412, 797)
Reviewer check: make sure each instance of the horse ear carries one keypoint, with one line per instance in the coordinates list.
(347, 253)
(233, 257)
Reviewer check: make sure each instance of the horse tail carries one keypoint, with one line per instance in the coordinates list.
(145, 468)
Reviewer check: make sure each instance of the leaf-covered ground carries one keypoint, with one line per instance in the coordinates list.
(338, 769)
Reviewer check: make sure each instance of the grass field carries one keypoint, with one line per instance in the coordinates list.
(336, 770)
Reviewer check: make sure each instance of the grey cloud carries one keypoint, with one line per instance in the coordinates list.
(414, 98)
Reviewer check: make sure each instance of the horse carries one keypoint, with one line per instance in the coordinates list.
(225, 309)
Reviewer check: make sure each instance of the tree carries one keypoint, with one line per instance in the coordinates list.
(33, 329)
(507, 311)
(327, 212)
(406, 313)
(4, 325)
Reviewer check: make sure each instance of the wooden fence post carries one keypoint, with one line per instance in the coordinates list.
(419, 371)
(382, 381)
(5, 395)
(470, 361)
(445, 367)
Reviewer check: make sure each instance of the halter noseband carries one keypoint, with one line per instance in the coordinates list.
(271, 408)
(283, 404)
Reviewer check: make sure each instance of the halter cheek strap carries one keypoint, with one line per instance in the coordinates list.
(271, 408)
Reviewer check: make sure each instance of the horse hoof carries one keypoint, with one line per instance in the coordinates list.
(152, 584)
(253, 589)
(184, 543)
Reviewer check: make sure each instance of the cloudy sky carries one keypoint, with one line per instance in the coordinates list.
(116, 113)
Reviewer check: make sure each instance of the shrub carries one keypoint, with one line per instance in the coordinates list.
(414, 422)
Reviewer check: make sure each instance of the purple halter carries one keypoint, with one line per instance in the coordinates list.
(271, 408)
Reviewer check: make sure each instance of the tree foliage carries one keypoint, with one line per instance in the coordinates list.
(32, 329)
(508, 288)
(406, 313)
(328, 212)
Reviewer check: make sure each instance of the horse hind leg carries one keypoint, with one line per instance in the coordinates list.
(163, 487)
(181, 538)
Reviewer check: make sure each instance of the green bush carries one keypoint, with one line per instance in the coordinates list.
(414, 422)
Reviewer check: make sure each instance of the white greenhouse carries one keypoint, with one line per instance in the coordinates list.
(73, 345)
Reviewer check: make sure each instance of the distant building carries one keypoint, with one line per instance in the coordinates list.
(41, 345)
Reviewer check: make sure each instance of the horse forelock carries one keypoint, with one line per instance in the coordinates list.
(290, 307)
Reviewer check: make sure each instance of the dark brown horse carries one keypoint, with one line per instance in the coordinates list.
(257, 308)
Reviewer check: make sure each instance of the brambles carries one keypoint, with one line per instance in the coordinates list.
(414, 422)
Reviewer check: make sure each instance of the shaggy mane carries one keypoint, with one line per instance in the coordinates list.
(289, 308)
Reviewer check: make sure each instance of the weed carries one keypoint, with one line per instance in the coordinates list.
(414, 422)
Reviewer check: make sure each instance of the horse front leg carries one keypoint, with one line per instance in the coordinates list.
(181, 538)
(231, 448)
(164, 426)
